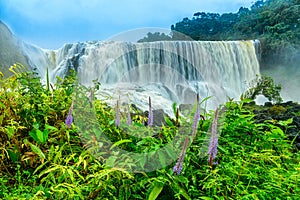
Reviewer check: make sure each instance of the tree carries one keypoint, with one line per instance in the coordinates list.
(265, 86)
(157, 36)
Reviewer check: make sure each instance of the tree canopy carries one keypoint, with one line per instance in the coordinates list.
(157, 36)
(276, 23)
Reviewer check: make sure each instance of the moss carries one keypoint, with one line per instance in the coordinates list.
(277, 109)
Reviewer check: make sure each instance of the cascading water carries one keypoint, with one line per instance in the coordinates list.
(169, 71)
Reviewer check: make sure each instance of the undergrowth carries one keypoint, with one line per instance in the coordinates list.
(42, 158)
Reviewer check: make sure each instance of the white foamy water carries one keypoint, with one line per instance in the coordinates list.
(168, 71)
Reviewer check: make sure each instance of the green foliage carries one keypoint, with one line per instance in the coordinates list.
(264, 85)
(157, 36)
(274, 22)
(277, 110)
(40, 158)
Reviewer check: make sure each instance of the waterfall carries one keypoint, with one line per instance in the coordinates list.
(169, 71)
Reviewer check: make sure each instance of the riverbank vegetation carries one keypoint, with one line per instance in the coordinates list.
(43, 155)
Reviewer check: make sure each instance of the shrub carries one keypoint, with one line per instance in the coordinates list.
(264, 85)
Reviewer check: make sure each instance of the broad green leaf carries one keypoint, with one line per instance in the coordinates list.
(156, 190)
(40, 136)
(32, 133)
(37, 150)
(45, 136)
(162, 158)
(171, 151)
(289, 121)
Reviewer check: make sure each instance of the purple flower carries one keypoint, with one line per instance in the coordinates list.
(118, 120)
(213, 143)
(150, 115)
(178, 166)
(69, 119)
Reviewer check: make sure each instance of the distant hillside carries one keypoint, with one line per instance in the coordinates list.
(10, 50)
(275, 23)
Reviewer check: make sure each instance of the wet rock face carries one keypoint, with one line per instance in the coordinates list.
(158, 117)
(282, 112)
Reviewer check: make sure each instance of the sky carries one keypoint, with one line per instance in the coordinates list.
(51, 23)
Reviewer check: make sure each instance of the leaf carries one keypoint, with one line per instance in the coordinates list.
(221, 149)
(170, 151)
(71, 175)
(206, 198)
(276, 132)
(32, 133)
(119, 142)
(162, 158)
(40, 167)
(37, 150)
(10, 132)
(289, 121)
(168, 121)
(184, 194)
(45, 136)
(285, 123)
(36, 126)
(205, 99)
(48, 127)
(12, 155)
(156, 190)
(142, 161)
(2, 105)
(40, 136)
(47, 171)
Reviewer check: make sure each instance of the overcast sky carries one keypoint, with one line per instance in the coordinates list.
(51, 23)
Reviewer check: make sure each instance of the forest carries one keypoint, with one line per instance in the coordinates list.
(276, 23)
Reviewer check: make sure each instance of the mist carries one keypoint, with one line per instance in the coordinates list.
(289, 79)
